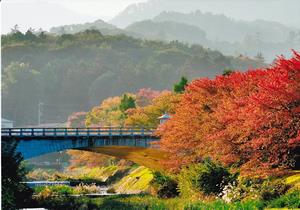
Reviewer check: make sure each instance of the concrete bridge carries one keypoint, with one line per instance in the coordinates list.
(33, 142)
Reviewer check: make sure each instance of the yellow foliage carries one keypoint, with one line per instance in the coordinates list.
(148, 116)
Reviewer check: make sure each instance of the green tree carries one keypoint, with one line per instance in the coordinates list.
(180, 86)
(14, 194)
(227, 72)
(127, 102)
(20, 91)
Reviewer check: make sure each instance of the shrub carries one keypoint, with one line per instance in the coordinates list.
(166, 186)
(44, 192)
(207, 177)
(273, 189)
(289, 200)
(86, 189)
(14, 194)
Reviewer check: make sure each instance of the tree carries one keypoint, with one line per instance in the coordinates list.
(250, 120)
(180, 86)
(107, 113)
(227, 72)
(21, 91)
(14, 194)
(148, 116)
(145, 96)
(127, 102)
(77, 120)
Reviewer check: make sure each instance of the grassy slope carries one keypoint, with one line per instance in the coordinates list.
(148, 157)
(137, 181)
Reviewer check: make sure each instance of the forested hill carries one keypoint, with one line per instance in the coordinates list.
(70, 73)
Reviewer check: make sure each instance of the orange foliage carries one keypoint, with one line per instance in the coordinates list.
(248, 119)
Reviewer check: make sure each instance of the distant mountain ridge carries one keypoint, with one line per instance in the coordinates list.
(75, 28)
(284, 11)
(221, 27)
(167, 31)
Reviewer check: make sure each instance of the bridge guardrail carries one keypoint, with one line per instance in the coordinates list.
(98, 131)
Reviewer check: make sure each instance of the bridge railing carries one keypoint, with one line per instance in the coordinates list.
(95, 131)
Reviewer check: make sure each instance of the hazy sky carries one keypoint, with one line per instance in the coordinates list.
(47, 13)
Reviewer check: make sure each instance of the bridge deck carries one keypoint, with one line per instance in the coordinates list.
(59, 133)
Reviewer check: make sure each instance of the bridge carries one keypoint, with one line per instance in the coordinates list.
(33, 142)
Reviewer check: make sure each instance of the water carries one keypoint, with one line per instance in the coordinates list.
(102, 190)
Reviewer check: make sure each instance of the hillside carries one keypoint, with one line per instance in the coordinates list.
(75, 28)
(100, 25)
(71, 73)
(221, 27)
(168, 31)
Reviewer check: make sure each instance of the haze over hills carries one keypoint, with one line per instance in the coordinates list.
(99, 24)
(284, 11)
(71, 73)
(168, 31)
(223, 28)
(215, 31)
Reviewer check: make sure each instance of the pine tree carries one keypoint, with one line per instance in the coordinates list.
(127, 102)
(180, 86)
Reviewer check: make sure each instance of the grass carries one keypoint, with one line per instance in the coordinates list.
(145, 202)
(148, 157)
(136, 182)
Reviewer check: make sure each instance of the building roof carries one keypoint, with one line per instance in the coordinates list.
(165, 116)
(6, 120)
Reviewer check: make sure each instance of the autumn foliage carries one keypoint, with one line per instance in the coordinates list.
(148, 116)
(248, 120)
(76, 120)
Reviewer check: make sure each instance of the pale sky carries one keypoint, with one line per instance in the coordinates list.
(47, 13)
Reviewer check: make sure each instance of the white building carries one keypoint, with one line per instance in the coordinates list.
(5, 123)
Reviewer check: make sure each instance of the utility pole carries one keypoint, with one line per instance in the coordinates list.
(40, 112)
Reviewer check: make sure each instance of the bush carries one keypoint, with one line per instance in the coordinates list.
(86, 189)
(14, 194)
(289, 200)
(166, 186)
(273, 189)
(45, 192)
(207, 177)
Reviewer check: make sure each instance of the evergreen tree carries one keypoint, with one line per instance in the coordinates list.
(127, 102)
(227, 72)
(180, 86)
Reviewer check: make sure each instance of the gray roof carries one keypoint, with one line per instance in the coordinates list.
(165, 116)
(6, 120)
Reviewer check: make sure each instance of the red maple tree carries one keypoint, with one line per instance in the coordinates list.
(250, 120)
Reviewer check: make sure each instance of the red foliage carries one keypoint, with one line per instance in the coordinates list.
(249, 119)
(145, 96)
(76, 120)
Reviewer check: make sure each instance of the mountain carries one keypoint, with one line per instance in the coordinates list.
(75, 28)
(168, 31)
(99, 25)
(223, 28)
(221, 33)
(284, 11)
(74, 72)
